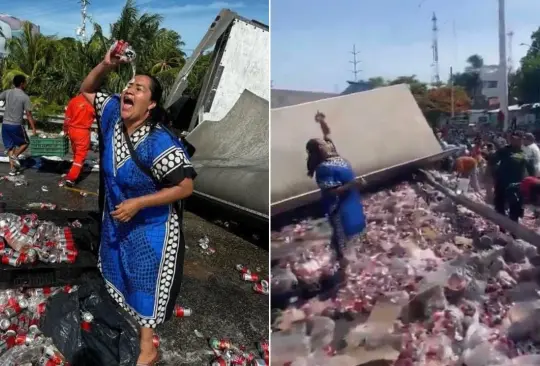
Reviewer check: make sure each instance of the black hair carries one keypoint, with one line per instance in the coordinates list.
(18, 80)
(315, 156)
(517, 134)
(158, 115)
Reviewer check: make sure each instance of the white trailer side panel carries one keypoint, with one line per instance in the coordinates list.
(374, 130)
(246, 66)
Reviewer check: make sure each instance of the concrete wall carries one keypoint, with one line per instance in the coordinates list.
(246, 65)
(374, 130)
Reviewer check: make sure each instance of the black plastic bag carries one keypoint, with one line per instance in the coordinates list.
(113, 338)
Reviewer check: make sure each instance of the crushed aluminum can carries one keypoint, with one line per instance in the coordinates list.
(219, 344)
(220, 361)
(86, 323)
(123, 50)
(242, 269)
(261, 288)
(181, 312)
(5, 323)
(250, 277)
(53, 354)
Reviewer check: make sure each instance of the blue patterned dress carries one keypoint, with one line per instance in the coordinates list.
(345, 212)
(141, 260)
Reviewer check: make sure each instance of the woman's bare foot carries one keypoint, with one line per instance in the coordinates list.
(148, 355)
(149, 352)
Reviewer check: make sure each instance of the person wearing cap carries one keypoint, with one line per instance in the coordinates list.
(532, 151)
(510, 166)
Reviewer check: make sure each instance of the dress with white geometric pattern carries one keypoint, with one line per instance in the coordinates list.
(141, 260)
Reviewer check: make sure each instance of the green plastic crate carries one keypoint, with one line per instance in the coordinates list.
(57, 146)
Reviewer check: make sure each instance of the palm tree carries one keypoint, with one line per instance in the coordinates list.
(28, 55)
(56, 67)
(158, 49)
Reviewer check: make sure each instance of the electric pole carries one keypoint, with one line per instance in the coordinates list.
(355, 62)
(436, 78)
(503, 69)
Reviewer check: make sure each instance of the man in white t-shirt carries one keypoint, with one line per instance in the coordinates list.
(532, 152)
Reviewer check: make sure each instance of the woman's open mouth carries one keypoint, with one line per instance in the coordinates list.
(127, 103)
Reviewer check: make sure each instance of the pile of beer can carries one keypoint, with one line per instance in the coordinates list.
(465, 292)
(25, 239)
(21, 341)
(229, 354)
(260, 285)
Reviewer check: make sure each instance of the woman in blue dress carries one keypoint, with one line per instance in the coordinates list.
(339, 189)
(146, 175)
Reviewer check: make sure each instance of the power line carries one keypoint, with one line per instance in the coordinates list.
(355, 63)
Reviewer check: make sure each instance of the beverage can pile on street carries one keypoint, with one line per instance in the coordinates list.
(453, 289)
(25, 239)
(21, 341)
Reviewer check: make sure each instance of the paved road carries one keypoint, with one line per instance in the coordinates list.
(224, 306)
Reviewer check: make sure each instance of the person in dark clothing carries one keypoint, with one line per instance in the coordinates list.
(510, 166)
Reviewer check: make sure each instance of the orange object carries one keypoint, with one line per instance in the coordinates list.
(465, 164)
(79, 114)
(78, 121)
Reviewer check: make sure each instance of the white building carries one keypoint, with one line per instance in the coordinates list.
(11, 27)
(489, 75)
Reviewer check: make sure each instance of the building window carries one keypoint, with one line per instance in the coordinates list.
(490, 84)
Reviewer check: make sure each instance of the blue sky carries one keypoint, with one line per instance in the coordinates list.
(312, 39)
(190, 18)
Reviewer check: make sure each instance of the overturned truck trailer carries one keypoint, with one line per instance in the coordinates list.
(229, 127)
(382, 132)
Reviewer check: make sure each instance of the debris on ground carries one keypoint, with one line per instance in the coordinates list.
(430, 283)
(21, 340)
(25, 240)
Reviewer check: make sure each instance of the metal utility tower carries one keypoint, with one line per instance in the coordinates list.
(435, 48)
(503, 70)
(510, 61)
(355, 63)
(81, 30)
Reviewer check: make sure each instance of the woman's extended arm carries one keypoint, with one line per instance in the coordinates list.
(129, 208)
(320, 118)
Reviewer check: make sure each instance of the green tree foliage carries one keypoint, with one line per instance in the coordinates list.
(435, 101)
(56, 67)
(470, 80)
(527, 79)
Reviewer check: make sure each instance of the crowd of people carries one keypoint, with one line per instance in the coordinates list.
(145, 174)
(506, 166)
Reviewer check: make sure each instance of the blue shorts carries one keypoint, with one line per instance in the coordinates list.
(13, 136)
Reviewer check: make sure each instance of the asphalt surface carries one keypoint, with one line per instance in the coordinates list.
(223, 304)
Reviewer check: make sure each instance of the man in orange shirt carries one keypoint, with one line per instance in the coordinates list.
(78, 121)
